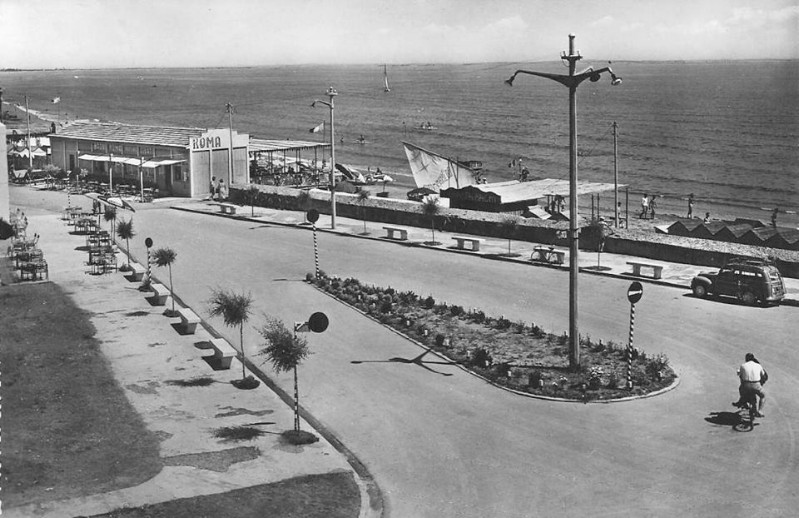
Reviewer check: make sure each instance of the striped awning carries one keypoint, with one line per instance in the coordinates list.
(149, 163)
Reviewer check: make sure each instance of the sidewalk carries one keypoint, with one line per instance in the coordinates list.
(149, 358)
(677, 275)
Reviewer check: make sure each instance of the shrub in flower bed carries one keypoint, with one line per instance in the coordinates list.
(517, 355)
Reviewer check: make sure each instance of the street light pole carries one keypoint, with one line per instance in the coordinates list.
(572, 81)
(331, 92)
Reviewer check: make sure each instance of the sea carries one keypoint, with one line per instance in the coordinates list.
(725, 131)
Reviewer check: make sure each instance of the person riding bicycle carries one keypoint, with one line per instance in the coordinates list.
(753, 376)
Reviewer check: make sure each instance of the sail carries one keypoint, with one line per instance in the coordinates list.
(385, 79)
(435, 171)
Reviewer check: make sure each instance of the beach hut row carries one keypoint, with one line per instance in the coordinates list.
(745, 232)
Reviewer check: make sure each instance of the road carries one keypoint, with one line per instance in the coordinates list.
(442, 443)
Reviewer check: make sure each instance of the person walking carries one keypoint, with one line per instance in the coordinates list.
(753, 376)
(652, 205)
(690, 206)
(774, 217)
(214, 187)
(222, 190)
(644, 207)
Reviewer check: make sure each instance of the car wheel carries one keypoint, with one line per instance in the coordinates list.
(748, 298)
(700, 290)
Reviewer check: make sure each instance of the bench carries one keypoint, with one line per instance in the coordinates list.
(223, 352)
(136, 272)
(227, 208)
(188, 320)
(160, 293)
(462, 240)
(657, 269)
(390, 231)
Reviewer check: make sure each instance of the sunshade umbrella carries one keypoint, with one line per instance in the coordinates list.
(114, 201)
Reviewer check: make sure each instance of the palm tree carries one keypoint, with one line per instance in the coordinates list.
(165, 257)
(363, 195)
(431, 208)
(509, 224)
(125, 231)
(110, 215)
(286, 351)
(234, 308)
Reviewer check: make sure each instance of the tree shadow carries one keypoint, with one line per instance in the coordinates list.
(418, 360)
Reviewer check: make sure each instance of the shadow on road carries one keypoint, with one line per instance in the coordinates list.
(417, 360)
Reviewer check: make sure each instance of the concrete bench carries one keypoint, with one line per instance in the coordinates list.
(657, 269)
(188, 320)
(223, 352)
(160, 293)
(136, 272)
(227, 208)
(462, 240)
(390, 231)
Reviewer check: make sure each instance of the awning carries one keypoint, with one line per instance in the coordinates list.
(149, 163)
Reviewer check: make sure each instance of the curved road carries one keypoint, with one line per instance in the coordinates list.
(442, 443)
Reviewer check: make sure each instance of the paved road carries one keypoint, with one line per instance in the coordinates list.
(443, 443)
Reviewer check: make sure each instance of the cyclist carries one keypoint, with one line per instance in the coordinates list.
(753, 376)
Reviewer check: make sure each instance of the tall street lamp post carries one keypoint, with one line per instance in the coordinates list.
(331, 92)
(572, 81)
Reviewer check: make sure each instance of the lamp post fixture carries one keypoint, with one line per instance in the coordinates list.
(331, 92)
(572, 81)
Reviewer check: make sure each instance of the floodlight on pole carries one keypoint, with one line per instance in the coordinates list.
(331, 92)
(572, 81)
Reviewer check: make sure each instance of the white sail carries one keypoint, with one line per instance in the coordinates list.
(436, 172)
(385, 79)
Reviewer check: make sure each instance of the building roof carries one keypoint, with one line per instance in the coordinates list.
(128, 133)
(514, 191)
(274, 145)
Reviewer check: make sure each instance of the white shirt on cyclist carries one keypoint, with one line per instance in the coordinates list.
(751, 372)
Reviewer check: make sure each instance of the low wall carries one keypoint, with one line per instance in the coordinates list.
(639, 243)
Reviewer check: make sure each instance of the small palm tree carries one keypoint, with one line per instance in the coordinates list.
(509, 225)
(110, 215)
(285, 350)
(252, 196)
(431, 208)
(235, 309)
(363, 195)
(304, 199)
(165, 257)
(125, 231)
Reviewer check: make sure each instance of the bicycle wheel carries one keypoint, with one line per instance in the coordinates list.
(536, 256)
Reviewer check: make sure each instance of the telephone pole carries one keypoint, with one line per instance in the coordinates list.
(230, 147)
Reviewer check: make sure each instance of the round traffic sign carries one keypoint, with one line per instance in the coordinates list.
(318, 322)
(312, 215)
(148, 242)
(634, 292)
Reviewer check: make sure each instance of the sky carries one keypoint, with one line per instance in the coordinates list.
(211, 33)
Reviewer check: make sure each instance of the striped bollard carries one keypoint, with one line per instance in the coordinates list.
(313, 215)
(633, 295)
(148, 243)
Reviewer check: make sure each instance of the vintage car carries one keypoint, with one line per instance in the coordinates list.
(749, 280)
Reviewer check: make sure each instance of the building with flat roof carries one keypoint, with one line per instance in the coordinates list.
(176, 161)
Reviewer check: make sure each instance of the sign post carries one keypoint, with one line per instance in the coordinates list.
(148, 243)
(634, 293)
(312, 216)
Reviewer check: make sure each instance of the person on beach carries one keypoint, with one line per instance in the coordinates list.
(774, 217)
(644, 207)
(707, 218)
(690, 206)
(652, 205)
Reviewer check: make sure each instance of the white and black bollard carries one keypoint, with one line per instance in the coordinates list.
(633, 295)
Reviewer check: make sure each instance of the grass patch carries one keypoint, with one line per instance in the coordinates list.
(515, 355)
(238, 433)
(64, 413)
(333, 495)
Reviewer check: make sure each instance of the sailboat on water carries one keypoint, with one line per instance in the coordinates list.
(385, 79)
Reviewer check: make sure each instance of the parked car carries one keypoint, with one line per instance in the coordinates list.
(749, 280)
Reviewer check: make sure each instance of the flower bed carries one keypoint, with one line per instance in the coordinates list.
(515, 355)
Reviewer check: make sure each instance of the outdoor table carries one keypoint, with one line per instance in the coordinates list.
(24, 256)
(100, 251)
(34, 269)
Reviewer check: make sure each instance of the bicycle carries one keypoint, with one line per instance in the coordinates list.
(547, 255)
(746, 414)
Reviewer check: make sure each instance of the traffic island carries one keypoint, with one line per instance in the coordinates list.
(513, 355)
